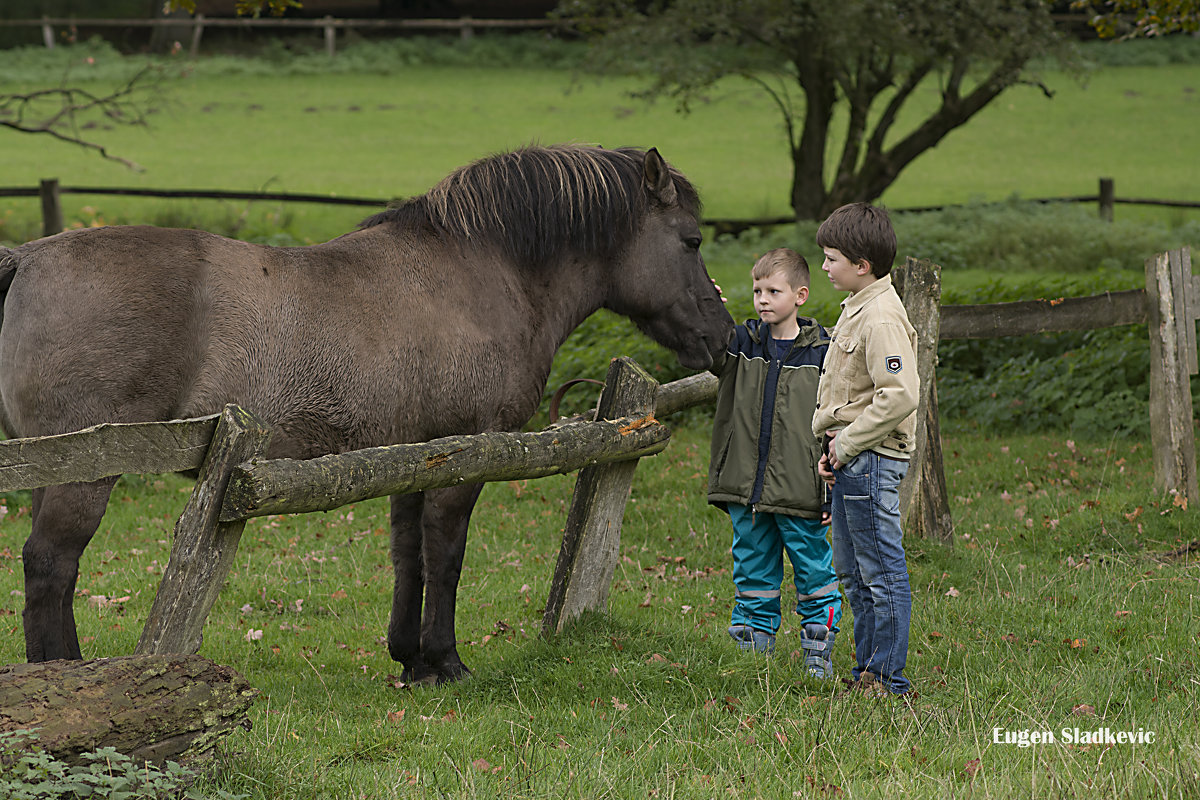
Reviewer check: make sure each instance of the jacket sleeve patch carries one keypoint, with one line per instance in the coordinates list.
(894, 364)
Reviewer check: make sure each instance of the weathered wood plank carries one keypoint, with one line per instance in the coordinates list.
(1171, 417)
(105, 450)
(285, 486)
(204, 548)
(685, 393)
(995, 320)
(592, 534)
(924, 499)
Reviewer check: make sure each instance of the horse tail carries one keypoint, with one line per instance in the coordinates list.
(8, 271)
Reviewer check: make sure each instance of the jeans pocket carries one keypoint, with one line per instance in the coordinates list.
(859, 466)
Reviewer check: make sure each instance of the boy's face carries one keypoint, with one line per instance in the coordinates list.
(776, 302)
(844, 274)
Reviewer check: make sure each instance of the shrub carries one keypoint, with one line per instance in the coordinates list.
(27, 774)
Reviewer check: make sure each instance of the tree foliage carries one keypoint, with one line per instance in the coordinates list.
(1127, 19)
(843, 75)
(250, 8)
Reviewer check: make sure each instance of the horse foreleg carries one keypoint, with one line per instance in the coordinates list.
(64, 520)
(404, 628)
(446, 516)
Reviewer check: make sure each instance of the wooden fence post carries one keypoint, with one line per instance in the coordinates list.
(47, 33)
(197, 34)
(204, 548)
(330, 37)
(1107, 193)
(1172, 306)
(592, 537)
(52, 216)
(923, 500)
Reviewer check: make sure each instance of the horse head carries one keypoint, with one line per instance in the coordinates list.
(661, 283)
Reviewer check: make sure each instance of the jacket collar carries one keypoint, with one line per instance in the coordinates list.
(810, 331)
(857, 301)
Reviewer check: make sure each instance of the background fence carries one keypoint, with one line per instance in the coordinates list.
(50, 192)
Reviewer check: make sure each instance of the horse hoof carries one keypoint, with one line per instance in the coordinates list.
(458, 672)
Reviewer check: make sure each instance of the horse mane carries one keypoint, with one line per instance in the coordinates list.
(540, 204)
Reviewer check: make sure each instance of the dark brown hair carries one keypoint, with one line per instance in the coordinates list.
(862, 232)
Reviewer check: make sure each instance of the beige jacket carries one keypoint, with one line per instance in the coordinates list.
(869, 384)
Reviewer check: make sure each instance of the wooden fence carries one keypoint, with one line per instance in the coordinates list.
(235, 483)
(329, 26)
(50, 192)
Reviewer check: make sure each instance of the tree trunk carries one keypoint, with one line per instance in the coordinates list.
(151, 708)
(809, 194)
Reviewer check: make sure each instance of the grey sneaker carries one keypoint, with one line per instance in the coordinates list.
(816, 640)
(752, 639)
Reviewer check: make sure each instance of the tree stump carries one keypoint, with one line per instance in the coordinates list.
(151, 708)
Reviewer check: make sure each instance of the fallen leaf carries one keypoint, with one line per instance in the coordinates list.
(657, 657)
(395, 717)
(1124, 613)
(971, 767)
(952, 592)
(340, 594)
(1083, 711)
(781, 737)
(619, 706)
(1078, 643)
(481, 764)
(936, 635)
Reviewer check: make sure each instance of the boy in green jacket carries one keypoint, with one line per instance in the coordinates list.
(764, 467)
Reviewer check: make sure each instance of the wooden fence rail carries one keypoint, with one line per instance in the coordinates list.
(50, 192)
(236, 482)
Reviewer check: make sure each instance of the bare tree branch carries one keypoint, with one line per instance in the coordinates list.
(60, 112)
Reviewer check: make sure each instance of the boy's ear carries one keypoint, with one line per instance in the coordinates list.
(801, 295)
(862, 266)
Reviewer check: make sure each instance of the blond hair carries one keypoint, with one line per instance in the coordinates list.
(782, 260)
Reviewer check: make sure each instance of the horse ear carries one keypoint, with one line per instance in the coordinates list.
(657, 177)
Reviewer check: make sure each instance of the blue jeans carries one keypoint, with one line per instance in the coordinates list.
(869, 558)
(759, 542)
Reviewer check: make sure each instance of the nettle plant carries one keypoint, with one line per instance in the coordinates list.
(32, 774)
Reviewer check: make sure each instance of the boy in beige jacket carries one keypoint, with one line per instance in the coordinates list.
(865, 408)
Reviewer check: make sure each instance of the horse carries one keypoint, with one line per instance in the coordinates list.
(436, 317)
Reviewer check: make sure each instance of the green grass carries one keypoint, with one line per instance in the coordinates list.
(1059, 606)
(396, 131)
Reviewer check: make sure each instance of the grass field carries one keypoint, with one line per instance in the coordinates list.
(395, 135)
(1067, 601)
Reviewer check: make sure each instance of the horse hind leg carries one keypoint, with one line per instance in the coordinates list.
(404, 627)
(64, 520)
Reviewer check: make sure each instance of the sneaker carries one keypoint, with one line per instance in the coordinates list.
(816, 641)
(752, 639)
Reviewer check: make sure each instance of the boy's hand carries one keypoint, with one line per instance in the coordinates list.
(825, 470)
(720, 291)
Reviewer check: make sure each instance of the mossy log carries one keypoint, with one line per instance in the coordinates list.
(152, 708)
(286, 486)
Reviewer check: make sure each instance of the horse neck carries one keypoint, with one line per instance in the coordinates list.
(560, 299)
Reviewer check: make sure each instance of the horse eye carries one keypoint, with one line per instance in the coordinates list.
(693, 242)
